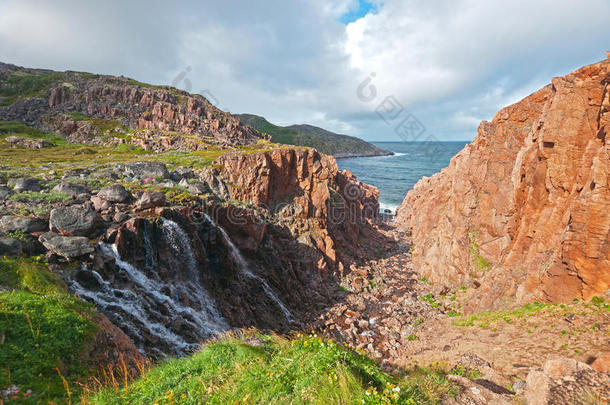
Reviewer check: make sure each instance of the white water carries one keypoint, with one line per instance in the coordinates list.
(139, 307)
(245, 268)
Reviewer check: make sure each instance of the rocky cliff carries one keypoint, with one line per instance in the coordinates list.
(101, 109)
(522, 213)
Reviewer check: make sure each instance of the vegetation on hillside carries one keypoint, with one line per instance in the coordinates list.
(324, 141)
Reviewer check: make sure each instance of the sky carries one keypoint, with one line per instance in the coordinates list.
(363, 68)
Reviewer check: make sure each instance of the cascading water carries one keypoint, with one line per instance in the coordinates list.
(241, 261)
(166, 317)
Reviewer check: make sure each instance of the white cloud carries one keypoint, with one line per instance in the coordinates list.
(450, 62)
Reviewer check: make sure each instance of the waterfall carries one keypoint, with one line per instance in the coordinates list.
(245, 268)
(150, 311)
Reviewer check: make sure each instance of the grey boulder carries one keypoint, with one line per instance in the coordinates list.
(13, 223)
(71, 189)
(24, 184)
(74, 220)
(10, 247)
(146, 169)
(67, 246)
(115, 193)
(5, 192)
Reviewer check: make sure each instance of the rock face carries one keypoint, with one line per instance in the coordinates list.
(523, 212)
(307, 192)
(160, 111)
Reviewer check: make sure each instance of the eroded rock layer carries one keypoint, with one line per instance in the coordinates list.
(523, 212)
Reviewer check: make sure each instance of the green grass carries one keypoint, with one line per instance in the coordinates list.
(304, 370)
(24, 85)
(36, 197)
(486, 319)
(44, 330)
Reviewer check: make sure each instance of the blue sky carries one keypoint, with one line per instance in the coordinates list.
(451, 64)
(357, 12)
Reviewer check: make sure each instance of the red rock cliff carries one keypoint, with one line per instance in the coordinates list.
(523, 212)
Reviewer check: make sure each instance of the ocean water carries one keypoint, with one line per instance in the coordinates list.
(397, 174)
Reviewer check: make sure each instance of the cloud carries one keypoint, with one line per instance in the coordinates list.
(449, 62)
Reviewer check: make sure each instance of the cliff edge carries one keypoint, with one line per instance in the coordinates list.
(522, 213)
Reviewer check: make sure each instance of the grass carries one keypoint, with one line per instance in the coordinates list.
(44, 330)
(24, 85)
(486, 319)
(306, 369)
(37, 197)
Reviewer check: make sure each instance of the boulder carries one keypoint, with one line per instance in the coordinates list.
(5, 192)
(198, 188)
(71, 189)
(115, 193)
(66, 246)
(602, 363)
(28, 143)
(565, 381)
(146, 169)
(24, 184)
(10, 247)
(74, 220)
(13, 223)
(150, 199)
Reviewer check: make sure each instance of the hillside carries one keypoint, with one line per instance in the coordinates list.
(329, 143)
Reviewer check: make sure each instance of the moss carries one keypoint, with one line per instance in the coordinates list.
(481, 265)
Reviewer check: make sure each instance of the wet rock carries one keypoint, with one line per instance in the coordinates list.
(150, 199)
(66, 246)
(147, 169)
(74, 220)
(24, 184)
(71, 189)
(13, 223)
(10, 247)
(115, 193)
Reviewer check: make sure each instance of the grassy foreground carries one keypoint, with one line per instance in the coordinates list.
(271, 369)
(43, 331)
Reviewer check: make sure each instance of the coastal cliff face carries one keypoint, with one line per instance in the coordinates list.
(522, 213)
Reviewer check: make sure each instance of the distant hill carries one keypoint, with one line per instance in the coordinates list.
(327, 142)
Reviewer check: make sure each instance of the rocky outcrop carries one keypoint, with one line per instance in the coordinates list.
(523, 212)
(305, 191)
(171, 118)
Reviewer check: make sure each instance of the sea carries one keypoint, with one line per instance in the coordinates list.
(395, 175)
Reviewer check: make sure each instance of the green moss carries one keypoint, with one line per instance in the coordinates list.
(37, 197)
(304, 370)
(44, 329)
